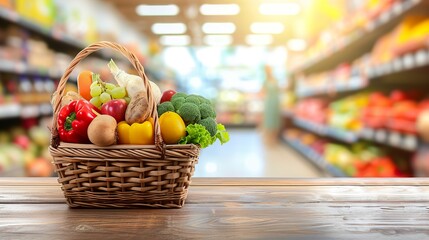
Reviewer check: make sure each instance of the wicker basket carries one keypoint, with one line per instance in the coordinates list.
(121, 176)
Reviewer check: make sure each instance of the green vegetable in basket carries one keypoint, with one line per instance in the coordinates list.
(199, 116)
(206, 111)
(210, 124)
(221, 134)
(193, 99)
(189, 112)
(198, 134)
(178, 95)
(165, 107)
(177, 102)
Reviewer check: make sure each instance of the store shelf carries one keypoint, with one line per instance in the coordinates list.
(354, 83)
(15, 110)
(408, 142)
(409, 62)
(319, 129)
(314, 157)
(323, 130)
(396, 68)
(57, 37)
(351, 47)
(10, 110)
(241, 125)
(23, 69)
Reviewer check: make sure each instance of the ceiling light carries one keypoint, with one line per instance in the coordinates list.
(259, 39)
(267, 27)
(218, 28)
(297, 45)
(168, 28)
(290, 8)
(218, 40)
(219, 9)
(175, 40)
(157, 10)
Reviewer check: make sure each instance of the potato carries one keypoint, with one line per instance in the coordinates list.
(102, 131)
(138, 110)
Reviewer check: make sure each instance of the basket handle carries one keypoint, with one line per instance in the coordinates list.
(136, 64)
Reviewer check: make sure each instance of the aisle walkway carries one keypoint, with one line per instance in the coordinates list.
(246, 156)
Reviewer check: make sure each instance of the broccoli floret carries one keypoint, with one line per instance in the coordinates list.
(205, 100)
(178, 95)
(201, 98)
(193, 99)
(210, 124)
(206, 110)
(165, 107)
(189, 112)
(177, 102)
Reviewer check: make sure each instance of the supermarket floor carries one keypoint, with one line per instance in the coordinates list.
(245, 155)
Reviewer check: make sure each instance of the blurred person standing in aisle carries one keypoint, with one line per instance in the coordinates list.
(271, 118)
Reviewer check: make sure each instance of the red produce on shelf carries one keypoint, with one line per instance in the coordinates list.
(378, 167)
(379, 99)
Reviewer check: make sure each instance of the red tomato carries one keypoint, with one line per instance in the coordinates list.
(166, 95)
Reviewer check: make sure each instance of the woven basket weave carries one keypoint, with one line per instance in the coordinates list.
(121, 176)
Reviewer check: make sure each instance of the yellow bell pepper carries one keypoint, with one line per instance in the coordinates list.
(137, 133)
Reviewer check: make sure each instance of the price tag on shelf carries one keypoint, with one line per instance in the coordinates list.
(20, 67)
(397, 8)
(45, 109)
(380, 136)
(397, 65)
(385, 16)
(384, 69)
(408, 61)
(421, 57)
(370, 26)
(10, 15)
(10, 110)
(355, 82)
(410, 142)
(30, 111)
(369, 71)
(388, 68)
(395, 139)
(408, 4)
(367, 133)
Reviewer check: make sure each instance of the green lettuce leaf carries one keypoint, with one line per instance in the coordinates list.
(197, 134)
(221, 134)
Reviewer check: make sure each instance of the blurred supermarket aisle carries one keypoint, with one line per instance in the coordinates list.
(247, 156)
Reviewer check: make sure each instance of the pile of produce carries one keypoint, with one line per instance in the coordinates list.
(361, 159)
(118, 112)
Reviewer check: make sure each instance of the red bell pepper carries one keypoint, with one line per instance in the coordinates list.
(74, 119)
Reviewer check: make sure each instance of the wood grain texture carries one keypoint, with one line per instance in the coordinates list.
(227, 209)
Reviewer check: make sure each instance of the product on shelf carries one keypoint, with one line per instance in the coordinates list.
(24, 150)
(361, 159)
(397, 111)
(345, 113)
(411, 34)
(312, 109)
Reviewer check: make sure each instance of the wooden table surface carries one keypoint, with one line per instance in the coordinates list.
(34, 208)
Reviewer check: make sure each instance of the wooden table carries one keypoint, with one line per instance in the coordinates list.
(34, 208)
